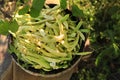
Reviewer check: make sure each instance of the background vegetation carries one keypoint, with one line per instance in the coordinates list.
(103, 17)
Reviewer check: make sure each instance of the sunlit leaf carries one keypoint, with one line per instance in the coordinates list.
(63, 19)
(78, 26)
(83, 53)
(85, 30)
(116, 48)
(81, 35)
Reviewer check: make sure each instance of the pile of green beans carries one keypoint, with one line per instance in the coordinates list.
(49, 41)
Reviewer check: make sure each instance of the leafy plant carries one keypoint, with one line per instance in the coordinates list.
(34, 8)
(7, 26)
(49, 41)
(48, 38)
(105, 38)
(107, 30)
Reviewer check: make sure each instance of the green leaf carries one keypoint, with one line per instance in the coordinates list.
(34, 12)
(6, 26)
(83, 53)
(116, 49)
(113, 9)
(110, 34)
(81, 35)
(63, 4)
(78, 25)
(37, 6)
(107, 51)
(24, 10)
(13, 26)
(76, 11)
(85, 30)
(63, 19)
